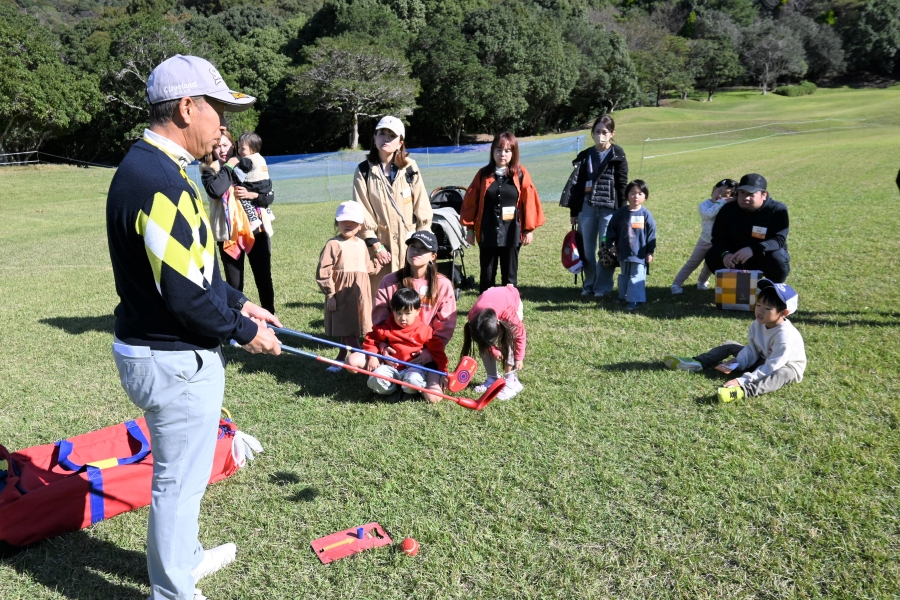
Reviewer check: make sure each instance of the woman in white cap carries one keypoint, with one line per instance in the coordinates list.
(389, 187)
(343, 276)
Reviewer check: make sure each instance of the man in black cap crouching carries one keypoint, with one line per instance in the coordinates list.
(751, 233)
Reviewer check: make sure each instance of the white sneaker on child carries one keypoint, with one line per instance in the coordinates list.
(334, 369)
(512, 388)
(676, 289)
(512, 380)
(703, 285)
(483, 387)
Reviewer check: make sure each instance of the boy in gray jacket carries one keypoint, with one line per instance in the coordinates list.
(774, 356)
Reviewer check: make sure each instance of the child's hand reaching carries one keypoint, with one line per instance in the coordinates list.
(732, 383)
(372, 363)
(331, 304)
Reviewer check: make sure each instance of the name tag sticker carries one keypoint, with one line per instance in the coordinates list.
(407, 192)
(637, 222)
(759, 233)
(509, 213)
(588, 187)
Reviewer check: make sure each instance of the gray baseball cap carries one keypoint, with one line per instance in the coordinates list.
(182, 76)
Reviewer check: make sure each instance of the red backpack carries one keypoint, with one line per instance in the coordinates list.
(572, 251)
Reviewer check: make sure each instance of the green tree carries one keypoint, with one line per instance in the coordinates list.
(40, 96)
(665, 66)
(822, 45)
(552, 72)
(355, 76)
(872, 35)
(715, 62)
(770, 51)
(606, 77)
(457, 83)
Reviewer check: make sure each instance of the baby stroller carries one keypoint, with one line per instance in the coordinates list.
(446, 203)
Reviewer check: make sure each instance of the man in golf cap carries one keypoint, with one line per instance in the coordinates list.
(751, 233)
(175, 310)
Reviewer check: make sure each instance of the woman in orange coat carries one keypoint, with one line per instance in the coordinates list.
(501, 210)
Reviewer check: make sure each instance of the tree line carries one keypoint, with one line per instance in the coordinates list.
(73, 72)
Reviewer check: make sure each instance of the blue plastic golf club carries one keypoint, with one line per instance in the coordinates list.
(306, 336)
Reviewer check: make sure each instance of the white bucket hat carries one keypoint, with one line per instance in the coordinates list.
(392, 123)
(350, 211)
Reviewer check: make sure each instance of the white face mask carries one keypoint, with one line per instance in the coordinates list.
(602, 138)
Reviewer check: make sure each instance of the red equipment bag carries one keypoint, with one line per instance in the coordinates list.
(573, 252)
(56, 488)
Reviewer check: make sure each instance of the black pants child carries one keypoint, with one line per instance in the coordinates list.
(260, 257)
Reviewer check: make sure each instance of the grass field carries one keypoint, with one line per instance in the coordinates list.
(608, 477)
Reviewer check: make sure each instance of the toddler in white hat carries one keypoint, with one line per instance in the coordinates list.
(343, 276)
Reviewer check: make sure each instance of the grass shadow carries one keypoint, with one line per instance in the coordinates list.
(305, 304)
(661, 304)
(632, 366)
(286, 479)
(850, 318)
(310, 377)
(73, 565)
(81, 325)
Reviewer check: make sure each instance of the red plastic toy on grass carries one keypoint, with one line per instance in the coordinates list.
(350, 541)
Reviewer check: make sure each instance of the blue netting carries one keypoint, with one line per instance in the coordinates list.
(328, 176)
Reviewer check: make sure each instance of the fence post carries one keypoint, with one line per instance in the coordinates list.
(328, 177)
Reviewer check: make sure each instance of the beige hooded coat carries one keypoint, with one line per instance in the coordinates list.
(392, 212)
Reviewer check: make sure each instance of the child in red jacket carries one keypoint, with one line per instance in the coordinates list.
(406, 335)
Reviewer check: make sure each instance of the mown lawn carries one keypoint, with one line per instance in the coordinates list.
(608, 477)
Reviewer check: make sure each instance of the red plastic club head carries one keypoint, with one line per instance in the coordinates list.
(486, 397)
(491, 393)
(462, 376)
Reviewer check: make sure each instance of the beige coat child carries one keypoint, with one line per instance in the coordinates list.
(393, 212)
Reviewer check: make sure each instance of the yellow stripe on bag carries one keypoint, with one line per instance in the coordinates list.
(105, 463)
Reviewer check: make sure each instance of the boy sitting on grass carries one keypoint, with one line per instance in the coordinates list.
(407, 334)
(774, 357)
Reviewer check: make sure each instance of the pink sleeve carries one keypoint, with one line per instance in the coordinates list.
(381, 307)
(443, 319)
(510, 314)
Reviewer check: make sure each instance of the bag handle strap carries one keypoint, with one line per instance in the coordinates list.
(66, 447)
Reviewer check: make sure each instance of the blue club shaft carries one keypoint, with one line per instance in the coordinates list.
(306, 336)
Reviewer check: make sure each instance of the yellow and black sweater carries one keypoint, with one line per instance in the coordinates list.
(163, 256)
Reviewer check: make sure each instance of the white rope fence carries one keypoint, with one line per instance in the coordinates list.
(33, 157)
(742, 129)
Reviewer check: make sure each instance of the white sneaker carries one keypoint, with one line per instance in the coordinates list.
(198, 595)
(483, 387)
(334, 369)
(507, 392)
(512, 381)
(213, 560)
(676, 289)
(702, 285)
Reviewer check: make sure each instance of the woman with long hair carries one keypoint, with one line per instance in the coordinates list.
(389, 187)
(438, 308)
(237, 229)
(501, 210)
